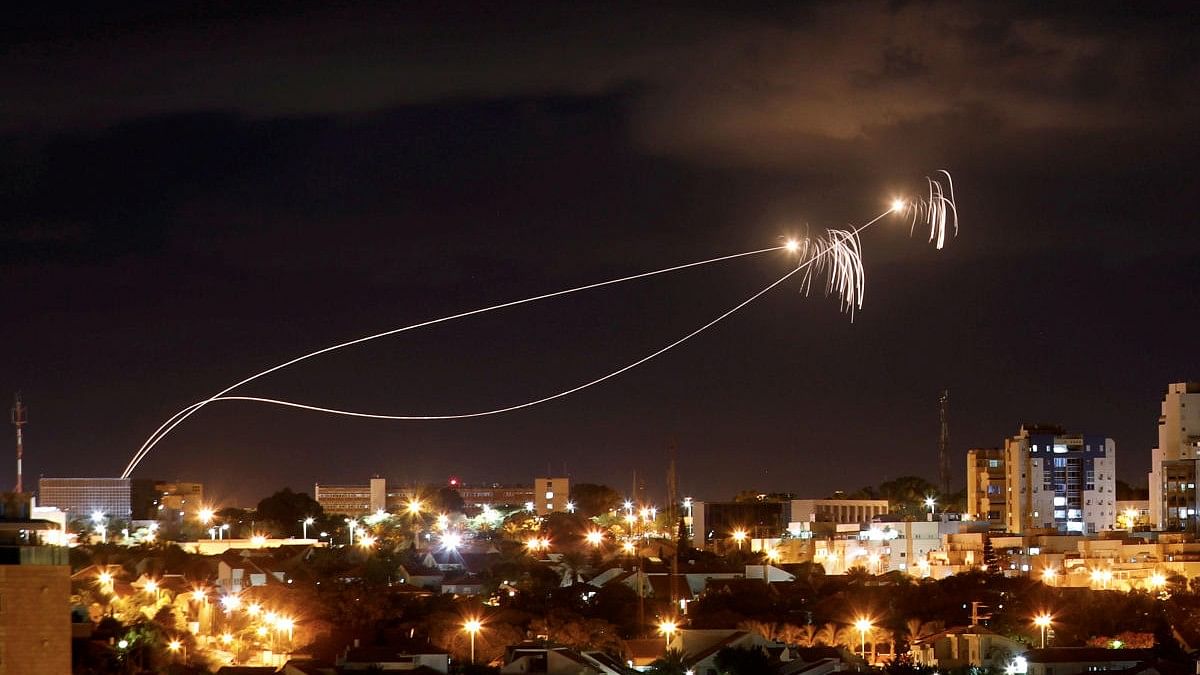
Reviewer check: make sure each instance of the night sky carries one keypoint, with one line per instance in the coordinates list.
(188, 196)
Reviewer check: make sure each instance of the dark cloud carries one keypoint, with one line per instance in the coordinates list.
(188, 195)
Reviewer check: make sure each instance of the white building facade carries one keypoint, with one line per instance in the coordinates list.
(1173, 464)
(1060, 481)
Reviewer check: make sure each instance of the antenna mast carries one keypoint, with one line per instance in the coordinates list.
(944, 442)
(19, 419)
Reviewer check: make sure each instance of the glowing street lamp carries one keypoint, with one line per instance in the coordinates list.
(230, 603)
(414, 507)
(1157, 581)
(628, 547)
(1049, 575)
(451, 541)
(353, 526)
(930, 502)
(1130, 518)
(472, 627)
(739, 536)
(305, 523)
(205, 515)
(105, 579)
(174, 646)
(594, 537)
(366, 541)
(668, 628)
(1042, 621)
(863, 625)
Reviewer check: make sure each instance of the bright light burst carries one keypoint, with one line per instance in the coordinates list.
(838, 255)
(451, 541)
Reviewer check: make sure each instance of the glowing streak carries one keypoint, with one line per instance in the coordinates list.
(840, 273)
(839, 255)
(176, 419)
(937, 212)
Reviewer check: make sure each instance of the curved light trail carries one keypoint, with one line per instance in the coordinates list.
(839, 255)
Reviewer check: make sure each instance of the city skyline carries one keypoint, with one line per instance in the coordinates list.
(237, 205)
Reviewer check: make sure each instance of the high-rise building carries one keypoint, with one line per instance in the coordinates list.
(81, 497)
(986, 487)
(1174, 497)
(551, 495)
(1059, 481)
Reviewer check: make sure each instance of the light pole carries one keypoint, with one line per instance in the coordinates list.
(1049, 575)
(863, 625)
(930, 502)
(668, 628)
(352, 524)
(305, 523)
(1042, 621)
(472, 627)
(739, 536)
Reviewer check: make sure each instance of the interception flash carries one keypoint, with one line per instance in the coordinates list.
(898, 205)
(792, 245)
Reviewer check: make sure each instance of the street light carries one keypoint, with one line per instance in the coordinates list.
(594, 537)
(175, 646)
(864, 626)
(205, 515)
(353, 526)
(1157, 580)
(668, 627)
(1130, 518)
(1049, 575)
(930, 502)
(739, 536)
(472, 627)
(305, 523)
(1042, 621)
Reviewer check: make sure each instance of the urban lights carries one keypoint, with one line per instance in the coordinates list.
(863, 626)
(739, 536)
(305, 523)
(1049, 575)
(668, 627)
(1042, 621)
(472, 626)
(594, 537)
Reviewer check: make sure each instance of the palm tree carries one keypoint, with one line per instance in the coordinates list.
(670, 663)
(827, 635)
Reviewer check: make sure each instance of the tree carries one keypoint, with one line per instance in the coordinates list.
(751, 661)
(671, 663)
(285, 509)
(592, 499)
(447, 500)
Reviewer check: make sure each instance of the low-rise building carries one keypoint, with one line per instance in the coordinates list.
(966, 647)
(1065, 660)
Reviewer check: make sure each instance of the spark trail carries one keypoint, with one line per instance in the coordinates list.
(838, 255)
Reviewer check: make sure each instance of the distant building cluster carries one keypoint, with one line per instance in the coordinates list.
(121, 498)
(543, 496)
